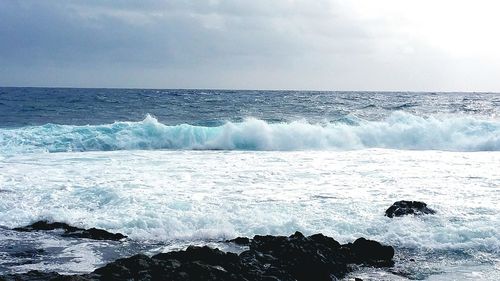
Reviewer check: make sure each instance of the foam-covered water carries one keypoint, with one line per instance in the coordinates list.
(332, 165)
(198, 195)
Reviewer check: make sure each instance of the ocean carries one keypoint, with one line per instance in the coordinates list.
(170, 168)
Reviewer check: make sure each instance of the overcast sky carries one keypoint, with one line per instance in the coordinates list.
(434, 45)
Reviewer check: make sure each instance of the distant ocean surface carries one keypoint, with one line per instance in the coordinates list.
(171, 168)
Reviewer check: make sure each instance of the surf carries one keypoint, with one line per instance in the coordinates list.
(399, 130)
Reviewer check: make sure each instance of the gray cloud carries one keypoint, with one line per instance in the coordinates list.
(215, 44)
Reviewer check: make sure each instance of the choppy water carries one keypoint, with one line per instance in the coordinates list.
(173, 167)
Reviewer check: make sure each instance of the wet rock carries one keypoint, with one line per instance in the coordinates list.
(196, 263)
(315, 257)
(243, 241)
(45, 225)
(370, 252)
(35, 275)
(138, 267)
(203, 254)
(95, 234)
(403, 208)
(269, 258)
(71, 231)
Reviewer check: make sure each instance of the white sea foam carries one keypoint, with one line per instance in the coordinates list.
(189, 195)
(399, 131)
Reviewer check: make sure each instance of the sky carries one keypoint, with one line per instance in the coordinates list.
(382, 45)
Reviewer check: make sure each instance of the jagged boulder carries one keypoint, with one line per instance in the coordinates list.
(71, 231)
(293, 258)
(403, 208)
(268, 258)
(244, 241)
(369, 252)
(195, 263)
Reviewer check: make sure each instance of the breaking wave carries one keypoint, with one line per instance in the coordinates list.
(398, 131)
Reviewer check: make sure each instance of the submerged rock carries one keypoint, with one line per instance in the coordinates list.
(294, 258)
(403, 208)
(71, 231)
(35, 275)
(30, 253)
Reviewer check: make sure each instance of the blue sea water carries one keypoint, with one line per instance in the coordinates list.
(56, 120)
(174, 167)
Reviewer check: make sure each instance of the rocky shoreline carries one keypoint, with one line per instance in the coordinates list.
(267, 258)
(297, 257)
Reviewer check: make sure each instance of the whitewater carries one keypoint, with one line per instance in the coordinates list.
(178, 167)
(399, 131)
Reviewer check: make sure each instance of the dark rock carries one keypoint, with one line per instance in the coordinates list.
(138, 267)
(204, 254)
(35, 275)
(402, 208)
(302, 258)
(244, 241)
(371, 252)
(296, 257)
(45, 225)
(196, 263)
(269, 258)
(96, 234)
(71, 231)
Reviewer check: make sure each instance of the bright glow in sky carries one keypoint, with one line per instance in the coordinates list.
(440, 45)
(460, 28)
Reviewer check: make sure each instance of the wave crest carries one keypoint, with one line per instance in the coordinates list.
(399, 131)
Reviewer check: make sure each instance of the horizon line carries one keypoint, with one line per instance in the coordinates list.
(257, 90)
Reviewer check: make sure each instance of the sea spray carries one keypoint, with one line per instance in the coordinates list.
(398, 131)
